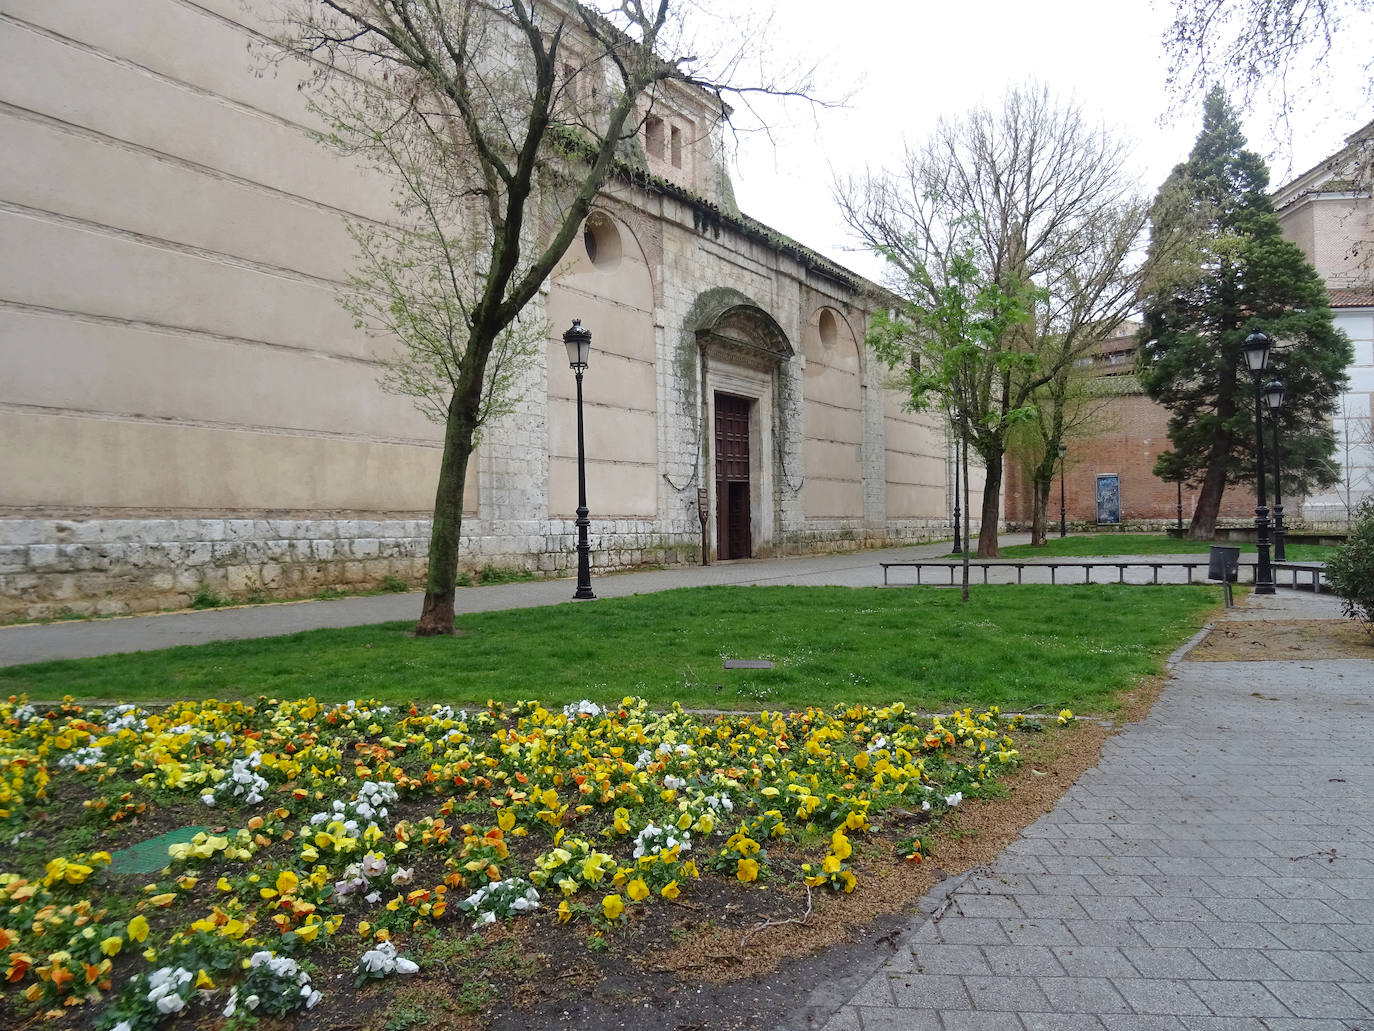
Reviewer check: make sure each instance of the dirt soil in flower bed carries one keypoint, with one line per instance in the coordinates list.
(1287, 639)
(706, 963)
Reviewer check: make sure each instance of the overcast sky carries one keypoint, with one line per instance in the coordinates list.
(912, 61)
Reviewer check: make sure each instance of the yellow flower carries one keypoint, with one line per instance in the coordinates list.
(637, 889)
(564, 912)
(308, 932)
(223, 884)
(831, 864)
(505, 819)
(747, 870)
(111, 945)
(204, 980)
(684, 821)
(840, 845)
(287, 882)
(670, 890)
(138, 929)
(612, 906)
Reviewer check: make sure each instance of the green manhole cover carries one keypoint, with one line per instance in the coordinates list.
(151, 856)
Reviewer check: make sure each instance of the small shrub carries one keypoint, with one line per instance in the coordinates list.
(464, 580)
(495, 575)
(395, 585)
(331, 594)
(206, 598)
(1351, 569)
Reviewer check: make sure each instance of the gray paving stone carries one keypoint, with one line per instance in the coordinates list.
(1061, 1022)
(1093, 961)
(1094, 995)
(1324, 999)
(1164, 962)
(1031, 960)
(1307, 1024)
(877, 991)
(957, 930)
(948, 959)
(1173, 934)
(1051, 907)
(1242, 964)
(897, 1020)
(1239, 999)
(1239, 935)
(929, 991)
(1159, 996)
(1006, 993)
(1038, 932)
(1309, 965)
(1104, 932)
(969, 905)
(957, 1021)
(1127, 1022)
(1112, 907)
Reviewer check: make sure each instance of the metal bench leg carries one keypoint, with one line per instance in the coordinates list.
(1019, 570)
(1051, 574)
(985, 576)
(1087, 574)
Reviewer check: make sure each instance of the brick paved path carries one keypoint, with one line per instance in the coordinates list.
(1215, 872)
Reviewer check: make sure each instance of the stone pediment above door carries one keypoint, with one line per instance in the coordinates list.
(736, 330)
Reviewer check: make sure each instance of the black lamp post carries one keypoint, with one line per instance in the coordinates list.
(578, 341)
(1178, 510)
(1061, 449)
(1273, 397)
(1256, 350)
(958, 549)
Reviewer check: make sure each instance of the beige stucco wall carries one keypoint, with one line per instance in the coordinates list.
(183, 403)
(832, 419)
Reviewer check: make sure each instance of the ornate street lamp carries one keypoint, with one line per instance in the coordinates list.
(958, 547)
(1256, 351)
(1273, 397)
(1061, 450)
(578, 341)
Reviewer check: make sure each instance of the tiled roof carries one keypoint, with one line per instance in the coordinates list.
(1347, 298)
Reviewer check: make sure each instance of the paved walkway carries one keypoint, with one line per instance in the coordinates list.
(1215, 872)
(82, 639)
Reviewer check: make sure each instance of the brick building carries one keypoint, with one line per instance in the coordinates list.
(1327, 212)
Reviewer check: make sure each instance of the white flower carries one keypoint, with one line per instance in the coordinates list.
(403, 876)
(373, 865)
(406, 966)
(954, 799)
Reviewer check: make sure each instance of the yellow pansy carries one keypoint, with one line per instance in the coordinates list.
(138, 929)
(637, 889)
(747, 870)
(612, 906)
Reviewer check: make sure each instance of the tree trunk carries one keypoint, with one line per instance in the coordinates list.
(436, 617)
(1204, 523)
(992, 506)
(1039, 515)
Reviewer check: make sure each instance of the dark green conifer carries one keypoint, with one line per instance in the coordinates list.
(1224, 271)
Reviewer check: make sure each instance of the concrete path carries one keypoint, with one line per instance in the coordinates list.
(86, 638)
(1215, 872)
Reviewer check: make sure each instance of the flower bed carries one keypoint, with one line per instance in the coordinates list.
(364, 825)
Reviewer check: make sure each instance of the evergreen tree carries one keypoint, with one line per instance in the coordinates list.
(1224, 272)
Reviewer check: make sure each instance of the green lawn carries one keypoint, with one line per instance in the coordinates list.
(1010, 646)
(1107, 544)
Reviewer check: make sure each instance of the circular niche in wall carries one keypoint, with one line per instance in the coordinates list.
(829, 333)
(601, 237)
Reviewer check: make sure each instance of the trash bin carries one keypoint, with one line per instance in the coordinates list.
(1223, 563)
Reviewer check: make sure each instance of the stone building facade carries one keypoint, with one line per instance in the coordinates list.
(1327, 211)
(184, 406)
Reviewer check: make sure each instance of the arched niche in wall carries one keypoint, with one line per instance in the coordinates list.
(604, 280)
(741, 348)
(832, 419)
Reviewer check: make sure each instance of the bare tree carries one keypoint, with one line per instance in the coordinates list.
(1054, 219)
(1249, 46)
(499, 121)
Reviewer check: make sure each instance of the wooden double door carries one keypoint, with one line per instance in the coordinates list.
(733, 536)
